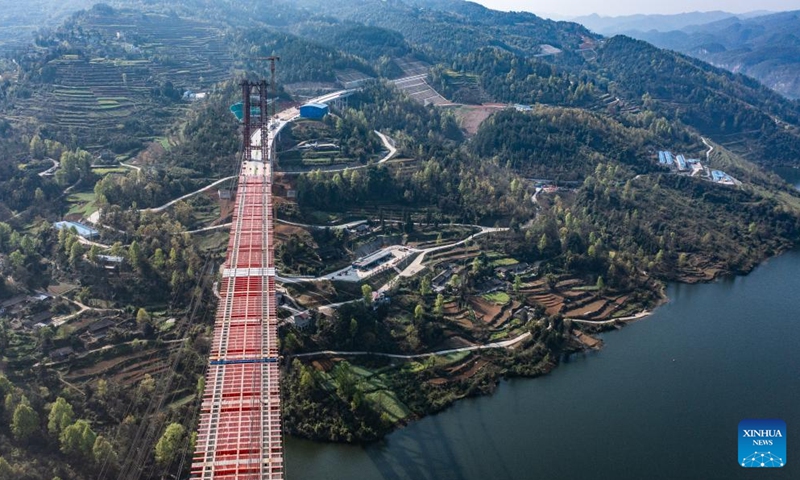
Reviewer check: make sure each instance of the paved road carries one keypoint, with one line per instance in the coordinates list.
(417, 265)
(613, 320)
(90, 243)
(710, 149)
(322, 227)
(389, 144)
(188, 195)
(505, 344)
(413, 269)
(213, 227)
(52, 170)
(133, 167)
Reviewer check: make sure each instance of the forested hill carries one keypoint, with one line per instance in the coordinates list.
(713, 101)
(499, 49)
(448, 27)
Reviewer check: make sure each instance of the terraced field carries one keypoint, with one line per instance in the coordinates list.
(122, 60)
(573, 299)
(415, 83)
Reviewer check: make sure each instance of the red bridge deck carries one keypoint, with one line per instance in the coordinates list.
(239, 436)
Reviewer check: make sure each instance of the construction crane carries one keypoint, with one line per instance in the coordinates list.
(273, 89)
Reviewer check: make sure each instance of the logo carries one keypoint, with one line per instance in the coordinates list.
(762, 443)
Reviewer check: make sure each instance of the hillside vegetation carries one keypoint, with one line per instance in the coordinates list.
(553, 208)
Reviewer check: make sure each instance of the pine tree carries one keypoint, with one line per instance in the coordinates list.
(78, 439)
(61, 416)
(103, 452)
(25, 421)
(438, 307)
(170, 444)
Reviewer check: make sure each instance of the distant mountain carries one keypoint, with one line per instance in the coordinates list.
(443, 27)
(766, 48)
(661, 23)
(20, 20)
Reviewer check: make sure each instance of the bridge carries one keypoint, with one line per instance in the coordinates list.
(239, 435)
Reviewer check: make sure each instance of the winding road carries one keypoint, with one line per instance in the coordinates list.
(489, 346)
(630, 318)
(413, 269)
(389, 144)
(188, 195)
(710, 149)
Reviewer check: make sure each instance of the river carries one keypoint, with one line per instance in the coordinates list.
(662, 400)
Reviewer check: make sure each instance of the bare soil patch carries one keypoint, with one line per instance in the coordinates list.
(470, 117)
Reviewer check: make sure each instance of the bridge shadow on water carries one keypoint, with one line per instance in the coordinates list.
(442, 450)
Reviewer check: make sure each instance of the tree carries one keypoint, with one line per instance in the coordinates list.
(601, 284)
(142, 317)
(147, 386)
(425, 286)
(37, 148)
(94, 253)
(61, 416)
(438, 307)
(543, 243)
(159, 259)
(353, 328)
(170, 444)
(5, 385)
(176, 280)
(551, 281)
(116, 249)
(25, 421)
(75, 254)
(419, 311)
(78, 439)
(103, 452)
(366, 292)
(6, 471)
(135, 254)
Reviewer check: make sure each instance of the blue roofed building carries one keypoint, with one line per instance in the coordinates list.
(84, 231)
(718, 176)
(682, 163)
(314, 111)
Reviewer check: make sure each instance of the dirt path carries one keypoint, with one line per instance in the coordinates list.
(58, 321)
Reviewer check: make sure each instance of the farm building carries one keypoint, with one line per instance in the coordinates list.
(84, 231)
(682, 163)
(373, 260)
(314, 111)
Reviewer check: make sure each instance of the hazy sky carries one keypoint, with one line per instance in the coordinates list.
(627, 7)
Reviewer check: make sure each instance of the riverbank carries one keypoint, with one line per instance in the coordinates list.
(630, 400)
(356, 397)
(381, 395)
